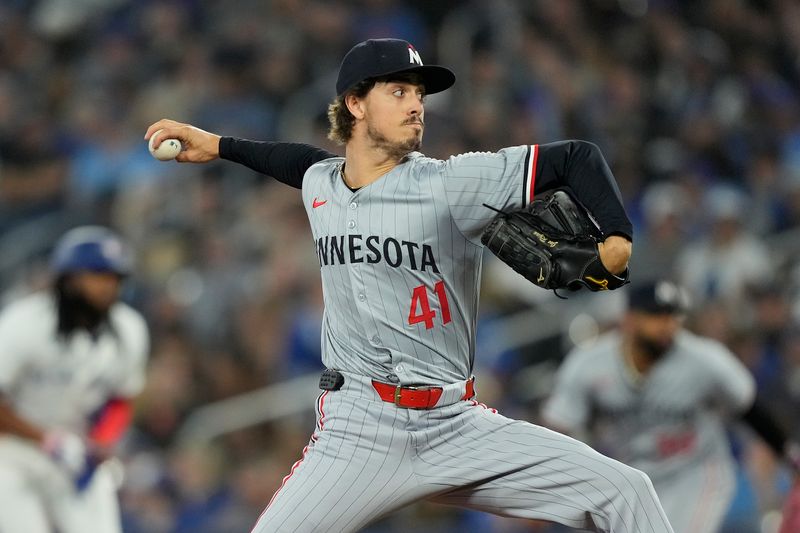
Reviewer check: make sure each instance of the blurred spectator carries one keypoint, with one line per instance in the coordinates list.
(665, 213)
(727, 260)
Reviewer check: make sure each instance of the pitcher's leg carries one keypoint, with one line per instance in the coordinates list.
(355, 469)
(517, 469)
(697, 500)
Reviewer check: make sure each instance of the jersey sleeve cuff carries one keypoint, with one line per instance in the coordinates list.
(621, 233)
(529, 179)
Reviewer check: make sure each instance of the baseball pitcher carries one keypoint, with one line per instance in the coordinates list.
(398, 237)
(70, 360)
(658, 398)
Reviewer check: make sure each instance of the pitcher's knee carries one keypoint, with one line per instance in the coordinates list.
(637, 480)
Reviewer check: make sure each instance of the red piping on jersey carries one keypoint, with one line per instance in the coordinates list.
(321, 414)
(297, 463)
(112, 421)
(483, 406)
(535, 149)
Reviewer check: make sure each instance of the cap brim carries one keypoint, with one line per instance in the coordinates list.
(435, 78)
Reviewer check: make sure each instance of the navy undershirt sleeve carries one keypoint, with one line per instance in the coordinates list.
(581, 166)
(286, 162)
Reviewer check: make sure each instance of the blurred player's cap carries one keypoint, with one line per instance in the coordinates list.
(380, 57)
(91, 248)
(658, 297)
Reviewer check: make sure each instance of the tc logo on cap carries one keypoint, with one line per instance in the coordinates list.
(413, 56)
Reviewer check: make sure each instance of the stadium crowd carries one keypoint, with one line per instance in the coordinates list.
(696, 105)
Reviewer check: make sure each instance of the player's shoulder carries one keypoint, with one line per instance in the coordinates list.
(327, 164)
(484, 157)
(327, 169)
(700, 348)
(418, 161)
(420, 168)
(694, 344)
(490, 165)
(128, 320)
(37, 307)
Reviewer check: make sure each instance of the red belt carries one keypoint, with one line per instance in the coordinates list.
(416, 397)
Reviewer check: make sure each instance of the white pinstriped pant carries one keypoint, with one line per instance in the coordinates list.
(368, 458)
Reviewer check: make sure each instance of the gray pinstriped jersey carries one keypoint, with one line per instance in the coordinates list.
(669, 422)
(401, 260)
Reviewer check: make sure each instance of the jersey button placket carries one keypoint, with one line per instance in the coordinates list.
(356, 279)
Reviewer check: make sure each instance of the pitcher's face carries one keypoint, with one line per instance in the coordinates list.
(395, 116)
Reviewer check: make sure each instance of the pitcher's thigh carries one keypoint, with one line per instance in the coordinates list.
(518, 469)
(355, 469)
(331, 491)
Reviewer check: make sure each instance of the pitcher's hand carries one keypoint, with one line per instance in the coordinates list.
(199, 146)
(615, 253)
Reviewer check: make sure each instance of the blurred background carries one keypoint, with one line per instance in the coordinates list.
(694, 104)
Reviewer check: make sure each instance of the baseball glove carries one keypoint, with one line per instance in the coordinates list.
(553, 243)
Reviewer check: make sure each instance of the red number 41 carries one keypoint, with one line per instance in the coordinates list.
(421, 308)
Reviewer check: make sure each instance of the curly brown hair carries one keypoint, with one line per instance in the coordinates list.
(340, 118)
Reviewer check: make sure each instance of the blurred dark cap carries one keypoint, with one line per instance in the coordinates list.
(381, 57)
(658, 297)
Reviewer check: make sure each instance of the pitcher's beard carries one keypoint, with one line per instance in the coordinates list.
(395, 150)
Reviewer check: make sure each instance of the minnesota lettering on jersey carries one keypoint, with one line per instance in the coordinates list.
(354, 248)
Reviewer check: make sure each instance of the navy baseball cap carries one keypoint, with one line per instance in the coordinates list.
(380, 57)
(658, 297)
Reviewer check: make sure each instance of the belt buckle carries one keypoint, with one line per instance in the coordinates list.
(397, 392)
(399, 389)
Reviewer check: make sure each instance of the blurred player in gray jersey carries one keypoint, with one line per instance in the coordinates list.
(71, 358)
(658, 398)
(397, 237)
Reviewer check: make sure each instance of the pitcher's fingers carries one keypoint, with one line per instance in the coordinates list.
(178, 131)
(164, 123)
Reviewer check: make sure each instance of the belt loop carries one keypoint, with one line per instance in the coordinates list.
(469, 389)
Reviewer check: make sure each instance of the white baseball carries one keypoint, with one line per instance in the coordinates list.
(168, 149)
